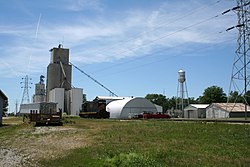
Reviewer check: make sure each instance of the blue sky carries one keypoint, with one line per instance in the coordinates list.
(132, 47)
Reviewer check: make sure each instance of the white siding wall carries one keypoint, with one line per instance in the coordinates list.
(213, 112)
(75, 99)
(25, 108)
(159, 108)
(57, 96)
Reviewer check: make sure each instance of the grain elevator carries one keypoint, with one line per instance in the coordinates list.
(59, 70)
(59, 87)
(39, 95)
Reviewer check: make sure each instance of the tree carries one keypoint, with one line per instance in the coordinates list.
(192, 100)
(172, 102)
(213, 94)
(158, 99)
(247, 97)
(235, 97)
(5, 107)
(166, 103)
(84, 98)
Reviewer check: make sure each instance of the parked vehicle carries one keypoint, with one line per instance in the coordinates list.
(153, 116)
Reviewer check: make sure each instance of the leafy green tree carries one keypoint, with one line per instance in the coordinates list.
(192, 100)
(84, 98)
(172, 103)
(158, 99)
(247, 97)
(213, 94)
(235, 97)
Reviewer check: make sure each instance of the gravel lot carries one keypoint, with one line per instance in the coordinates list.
(32, 145)
(12, 158)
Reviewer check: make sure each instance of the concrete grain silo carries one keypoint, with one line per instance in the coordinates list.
(59, 71)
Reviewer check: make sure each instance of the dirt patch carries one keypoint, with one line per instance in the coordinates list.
(50, 129)
(34, 144)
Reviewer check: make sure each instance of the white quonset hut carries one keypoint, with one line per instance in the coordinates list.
(129, 107)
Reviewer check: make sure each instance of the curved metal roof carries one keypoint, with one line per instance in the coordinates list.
(129, 107)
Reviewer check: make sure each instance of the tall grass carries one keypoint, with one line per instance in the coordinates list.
(159, 143)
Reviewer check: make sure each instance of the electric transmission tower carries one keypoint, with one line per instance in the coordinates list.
(26, 86)
(240, 78)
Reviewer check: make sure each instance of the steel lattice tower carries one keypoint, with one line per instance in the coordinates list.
(240, 78)
(26, 87)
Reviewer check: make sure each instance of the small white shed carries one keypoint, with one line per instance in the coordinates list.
(195, 111)
(129, 107)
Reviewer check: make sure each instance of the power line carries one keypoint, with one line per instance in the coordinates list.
(148, 55)
(143, 45)
(158, 26)
(170, 34)
(167, 58)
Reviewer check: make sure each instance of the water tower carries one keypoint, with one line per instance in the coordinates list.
(182, 93)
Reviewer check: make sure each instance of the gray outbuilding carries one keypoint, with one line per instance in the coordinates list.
(195, 111)
(227, 110)
(3, 98)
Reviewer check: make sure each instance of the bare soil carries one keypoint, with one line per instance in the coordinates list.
(31, 145)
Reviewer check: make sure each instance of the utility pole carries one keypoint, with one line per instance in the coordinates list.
(240, 78)
(16, 108)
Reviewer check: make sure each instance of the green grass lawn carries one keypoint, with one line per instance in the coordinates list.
(155, 143)
(161, 143)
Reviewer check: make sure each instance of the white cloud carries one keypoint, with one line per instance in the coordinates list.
(80, 5)
(99, 40)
